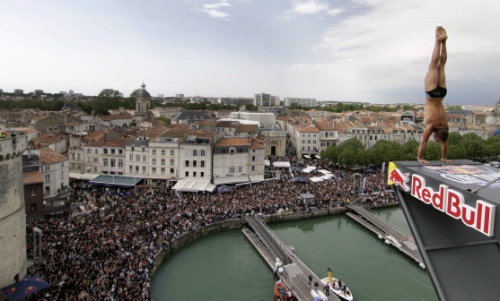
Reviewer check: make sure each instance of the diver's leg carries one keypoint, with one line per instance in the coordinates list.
(432, 76)
(442, 61)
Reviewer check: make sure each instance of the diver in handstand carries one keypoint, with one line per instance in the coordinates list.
(435, 118)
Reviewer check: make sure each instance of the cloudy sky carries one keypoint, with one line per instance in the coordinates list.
(347, 50)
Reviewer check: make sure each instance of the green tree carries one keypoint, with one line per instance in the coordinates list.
(108, 99)
(164, 119)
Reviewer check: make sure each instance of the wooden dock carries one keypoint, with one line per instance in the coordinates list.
(386, 231)
(296, 273)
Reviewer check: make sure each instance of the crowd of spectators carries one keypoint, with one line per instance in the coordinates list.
(109, 253)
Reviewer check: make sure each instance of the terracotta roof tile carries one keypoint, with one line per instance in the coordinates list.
(49, 157)
(32, 177)
(234, 142)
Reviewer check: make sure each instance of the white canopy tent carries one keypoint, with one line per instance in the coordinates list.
(193, 186)
(316, 179)
(282, 164)
(324, 171)
(308, 169)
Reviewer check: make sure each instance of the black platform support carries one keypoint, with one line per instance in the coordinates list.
(452, 212)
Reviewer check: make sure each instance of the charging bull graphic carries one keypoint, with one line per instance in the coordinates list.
(399, 179)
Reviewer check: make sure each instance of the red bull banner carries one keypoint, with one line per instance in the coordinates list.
(480, 217)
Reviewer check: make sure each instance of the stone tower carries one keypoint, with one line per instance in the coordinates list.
(12, 214)
(142, 103)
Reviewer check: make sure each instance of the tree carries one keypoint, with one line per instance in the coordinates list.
(351, 153)
(108, 99)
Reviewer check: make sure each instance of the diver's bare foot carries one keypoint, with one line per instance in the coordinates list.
(445, 160)
(442, 36)
(422, 161)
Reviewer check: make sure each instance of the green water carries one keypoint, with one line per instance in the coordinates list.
(225, 266)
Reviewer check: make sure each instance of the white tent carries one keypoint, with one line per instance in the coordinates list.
(282, 164)
(308, 169)
(324, 171)
(316, 179)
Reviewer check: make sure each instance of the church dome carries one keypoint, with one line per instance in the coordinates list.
(142, 94)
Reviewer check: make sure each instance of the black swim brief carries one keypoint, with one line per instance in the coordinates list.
(439, 92)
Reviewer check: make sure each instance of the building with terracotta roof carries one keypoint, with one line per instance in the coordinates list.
(238, 160)
(33, 194)
(55, 171)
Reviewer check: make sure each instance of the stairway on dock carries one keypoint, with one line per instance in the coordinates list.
(296, 273)
(401, 240)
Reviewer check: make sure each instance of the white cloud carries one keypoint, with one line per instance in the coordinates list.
(214, 9)
(386, 45)
(308, 7)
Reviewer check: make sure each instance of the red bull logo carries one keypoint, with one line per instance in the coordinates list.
(11, 290)
(399, 179)
(481, 217)
(30, 289)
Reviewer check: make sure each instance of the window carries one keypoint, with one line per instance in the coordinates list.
(144, 158)
(163, 170)
(105, 162)
(96, 160)
(153, 170)
(202, 163)
(33, 207)
(138, 158)
(195, 152)
(73, 156)
(33, 191)
(194, 174)
(231, 169)
(240, 169)
(194, 163)
(131, 168)
(171, 170)
(154, 152)
(47, 179)
(172, 161)
(253, 167)
(105, 150)
(137, 169)
(113, 162)
(95, 151)
(162, 161)
(153, 161)
(112, 151)
(253, 158)
(120, 151)
(172, 152)
(120, 163)
(202, 174)
(186, 163)
(131, 157)
(144, 169)
(187, 174)
(232, 151)
(202, 153)
(163, 152)
(88, 150)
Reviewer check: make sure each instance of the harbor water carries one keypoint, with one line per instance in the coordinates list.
(225, 266)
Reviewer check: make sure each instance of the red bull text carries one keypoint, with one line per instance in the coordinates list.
(481, 217)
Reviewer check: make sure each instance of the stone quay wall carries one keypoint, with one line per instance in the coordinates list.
(239, 223)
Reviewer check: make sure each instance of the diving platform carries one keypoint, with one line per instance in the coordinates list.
(392, 235)
(270, 247)
(451, 209)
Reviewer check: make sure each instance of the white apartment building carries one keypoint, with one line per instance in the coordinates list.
(136, 157)
(55, 170)
(307, 140)
(304, 102)
(238, 160)
(164, 156)
(195, 157)
(112, 155)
